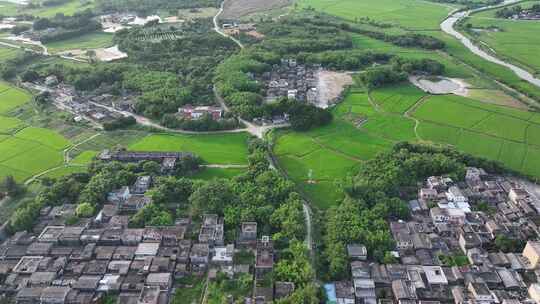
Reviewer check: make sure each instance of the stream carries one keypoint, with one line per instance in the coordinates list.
(448, 27)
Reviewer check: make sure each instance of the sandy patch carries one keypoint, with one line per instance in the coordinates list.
(441, 85)
(330, 85)
(112, 27)
(110, 54)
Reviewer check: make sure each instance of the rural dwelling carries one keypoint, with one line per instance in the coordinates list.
(357, 252)
(194, 113)
(532, 253)
(534, 292)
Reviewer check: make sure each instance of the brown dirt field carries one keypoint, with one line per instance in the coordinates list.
(235, 9)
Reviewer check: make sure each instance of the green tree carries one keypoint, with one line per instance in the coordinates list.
(85, 210)
(288, 220)
(295, 266)
(10, 186)
(211, 197)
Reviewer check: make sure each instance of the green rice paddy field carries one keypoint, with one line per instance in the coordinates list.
(412, 14)
(25, 150)
(365, 124)
(223, 149)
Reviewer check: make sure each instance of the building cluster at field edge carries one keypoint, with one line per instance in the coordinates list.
(447, 251)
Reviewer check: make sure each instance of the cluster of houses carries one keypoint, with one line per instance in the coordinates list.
(235, 29)
(167, 160)
(446, 251)
(81, 262)
(97, 108)
(190, 112)
(292, 80)
(527, 14)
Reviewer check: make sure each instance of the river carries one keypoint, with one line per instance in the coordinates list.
(448, 27)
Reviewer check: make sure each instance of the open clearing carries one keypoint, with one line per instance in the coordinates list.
(224, 149)
(83, 42)
(235, 9)
(330, 86)
(412, 14)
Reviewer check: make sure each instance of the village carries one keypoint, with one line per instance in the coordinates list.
(449, 251)
(100, 108)
(59, 261)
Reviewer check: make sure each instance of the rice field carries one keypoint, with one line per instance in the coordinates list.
(83, 42)
(318, 160)
(495, 132)
(25, 150)
(213, 149)
(411, 14)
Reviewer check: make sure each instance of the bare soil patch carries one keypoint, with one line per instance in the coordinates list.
(440, 85)
(235, 9)
(330, 86)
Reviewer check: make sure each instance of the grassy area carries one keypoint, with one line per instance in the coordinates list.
(190, 292)
(11, 97)
(213, 149)
(211, 173)
(83, 42)
(411, 14)
(515, 40)
(69, 8)
(8, 52)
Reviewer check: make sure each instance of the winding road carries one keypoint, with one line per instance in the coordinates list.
(448, 27)
(218, 30)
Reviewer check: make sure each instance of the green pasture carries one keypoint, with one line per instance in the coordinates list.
(7, 53)
(63, 171)
(8, 8)
(83, 42)
(211, 173)
(11, 97)
(410, 14)
(68, 8)
(44, 137)
(9, 124)
(228, 148)
(84, 158)
(515, 40)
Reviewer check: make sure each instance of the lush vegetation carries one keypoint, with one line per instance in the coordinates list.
(292, 38)
(146, 7)
(507, 12)
(65, 27)
(374, 196)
